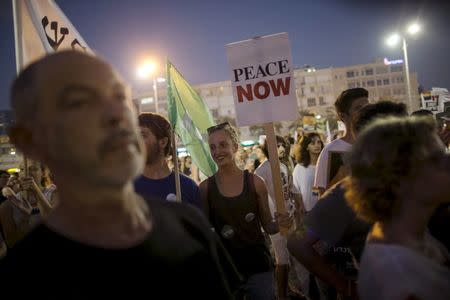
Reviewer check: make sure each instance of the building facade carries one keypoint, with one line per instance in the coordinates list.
(9, 158)
(316, 89)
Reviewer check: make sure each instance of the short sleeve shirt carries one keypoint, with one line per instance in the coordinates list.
(393, 272)
(303, 179)
(265, 172)
(323, 163)
(334, 222)
(165, 189)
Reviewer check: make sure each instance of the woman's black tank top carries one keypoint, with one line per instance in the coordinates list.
(236, 220)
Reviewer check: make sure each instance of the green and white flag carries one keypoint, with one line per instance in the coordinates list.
(190, 118)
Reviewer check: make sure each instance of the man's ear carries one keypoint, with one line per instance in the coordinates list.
(22, 138)
(341, 117)
(163, 142)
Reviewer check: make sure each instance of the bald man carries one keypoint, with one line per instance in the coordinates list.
(74, 113)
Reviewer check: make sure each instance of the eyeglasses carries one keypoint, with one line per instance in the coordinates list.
(218, 127)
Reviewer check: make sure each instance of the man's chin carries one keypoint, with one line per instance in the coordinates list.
(125, 172)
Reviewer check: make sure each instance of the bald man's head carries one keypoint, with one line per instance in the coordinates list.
(74, 113)
(25, 95)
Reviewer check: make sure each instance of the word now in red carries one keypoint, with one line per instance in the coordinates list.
(261, 90)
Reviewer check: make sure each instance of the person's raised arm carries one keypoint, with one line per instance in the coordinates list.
(269, 225)
(28, 184)
(307, 249)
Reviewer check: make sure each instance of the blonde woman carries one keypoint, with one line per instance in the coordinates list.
(236, 203)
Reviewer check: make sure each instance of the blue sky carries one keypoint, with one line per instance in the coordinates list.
(192, 34)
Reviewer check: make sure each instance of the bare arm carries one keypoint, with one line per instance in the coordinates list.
(268, 223)
(300, 208)
(302, 247)
(30, 185)
(320, 190)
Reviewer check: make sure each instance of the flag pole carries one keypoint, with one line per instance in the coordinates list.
(18, 52)
(176, 167)
(17, 36)
(271, 141)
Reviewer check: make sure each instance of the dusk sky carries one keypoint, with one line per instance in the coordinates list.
(193, 34)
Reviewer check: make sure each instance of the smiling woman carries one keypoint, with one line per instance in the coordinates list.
(236, 203)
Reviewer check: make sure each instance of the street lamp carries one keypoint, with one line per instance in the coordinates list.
(146, 70)
(392, 41)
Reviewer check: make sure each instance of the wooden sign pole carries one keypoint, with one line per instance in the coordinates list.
(271, 141)
(176, 167)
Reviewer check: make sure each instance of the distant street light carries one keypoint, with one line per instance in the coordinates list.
(318, 117)
(146, 70)
(413, 28)
(392, 41)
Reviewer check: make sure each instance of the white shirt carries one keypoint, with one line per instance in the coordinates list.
(303, 181)
(322, 168)
(394, 272)
(265, 172)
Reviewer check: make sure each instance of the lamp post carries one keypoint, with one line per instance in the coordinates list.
(144, 71)
(393, 40)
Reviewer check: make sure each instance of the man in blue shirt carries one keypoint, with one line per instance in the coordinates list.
(157, 180)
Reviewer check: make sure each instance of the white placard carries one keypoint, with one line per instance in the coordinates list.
(262, 79)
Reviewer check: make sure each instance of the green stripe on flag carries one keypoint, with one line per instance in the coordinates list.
(190, 118)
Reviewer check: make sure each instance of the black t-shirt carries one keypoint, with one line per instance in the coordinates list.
(439, 225)
(180, 259)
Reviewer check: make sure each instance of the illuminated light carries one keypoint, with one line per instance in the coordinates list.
(147, 100)
(13, 170)
(413, 28)
(146, 69)
(393, 39)
(392, 62)
(13, 152)
(161, 80)
(248, 143)
(318, 117)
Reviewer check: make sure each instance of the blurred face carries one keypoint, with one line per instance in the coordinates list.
(87, 124)
(153, 146)
(357, 104)
(281, 150)
(188, 162)
(435, 174)
(315, 146)
(3, 179)
(36, 173)
(222, 147)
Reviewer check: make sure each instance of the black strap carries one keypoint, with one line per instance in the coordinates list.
(205, 199)
(251, 182)
(250, 178)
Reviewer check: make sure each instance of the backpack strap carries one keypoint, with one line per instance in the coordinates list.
(250, 179)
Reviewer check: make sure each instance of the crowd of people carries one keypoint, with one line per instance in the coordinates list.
(366, 216)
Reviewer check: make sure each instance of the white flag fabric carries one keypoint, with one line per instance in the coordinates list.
(41, 28)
